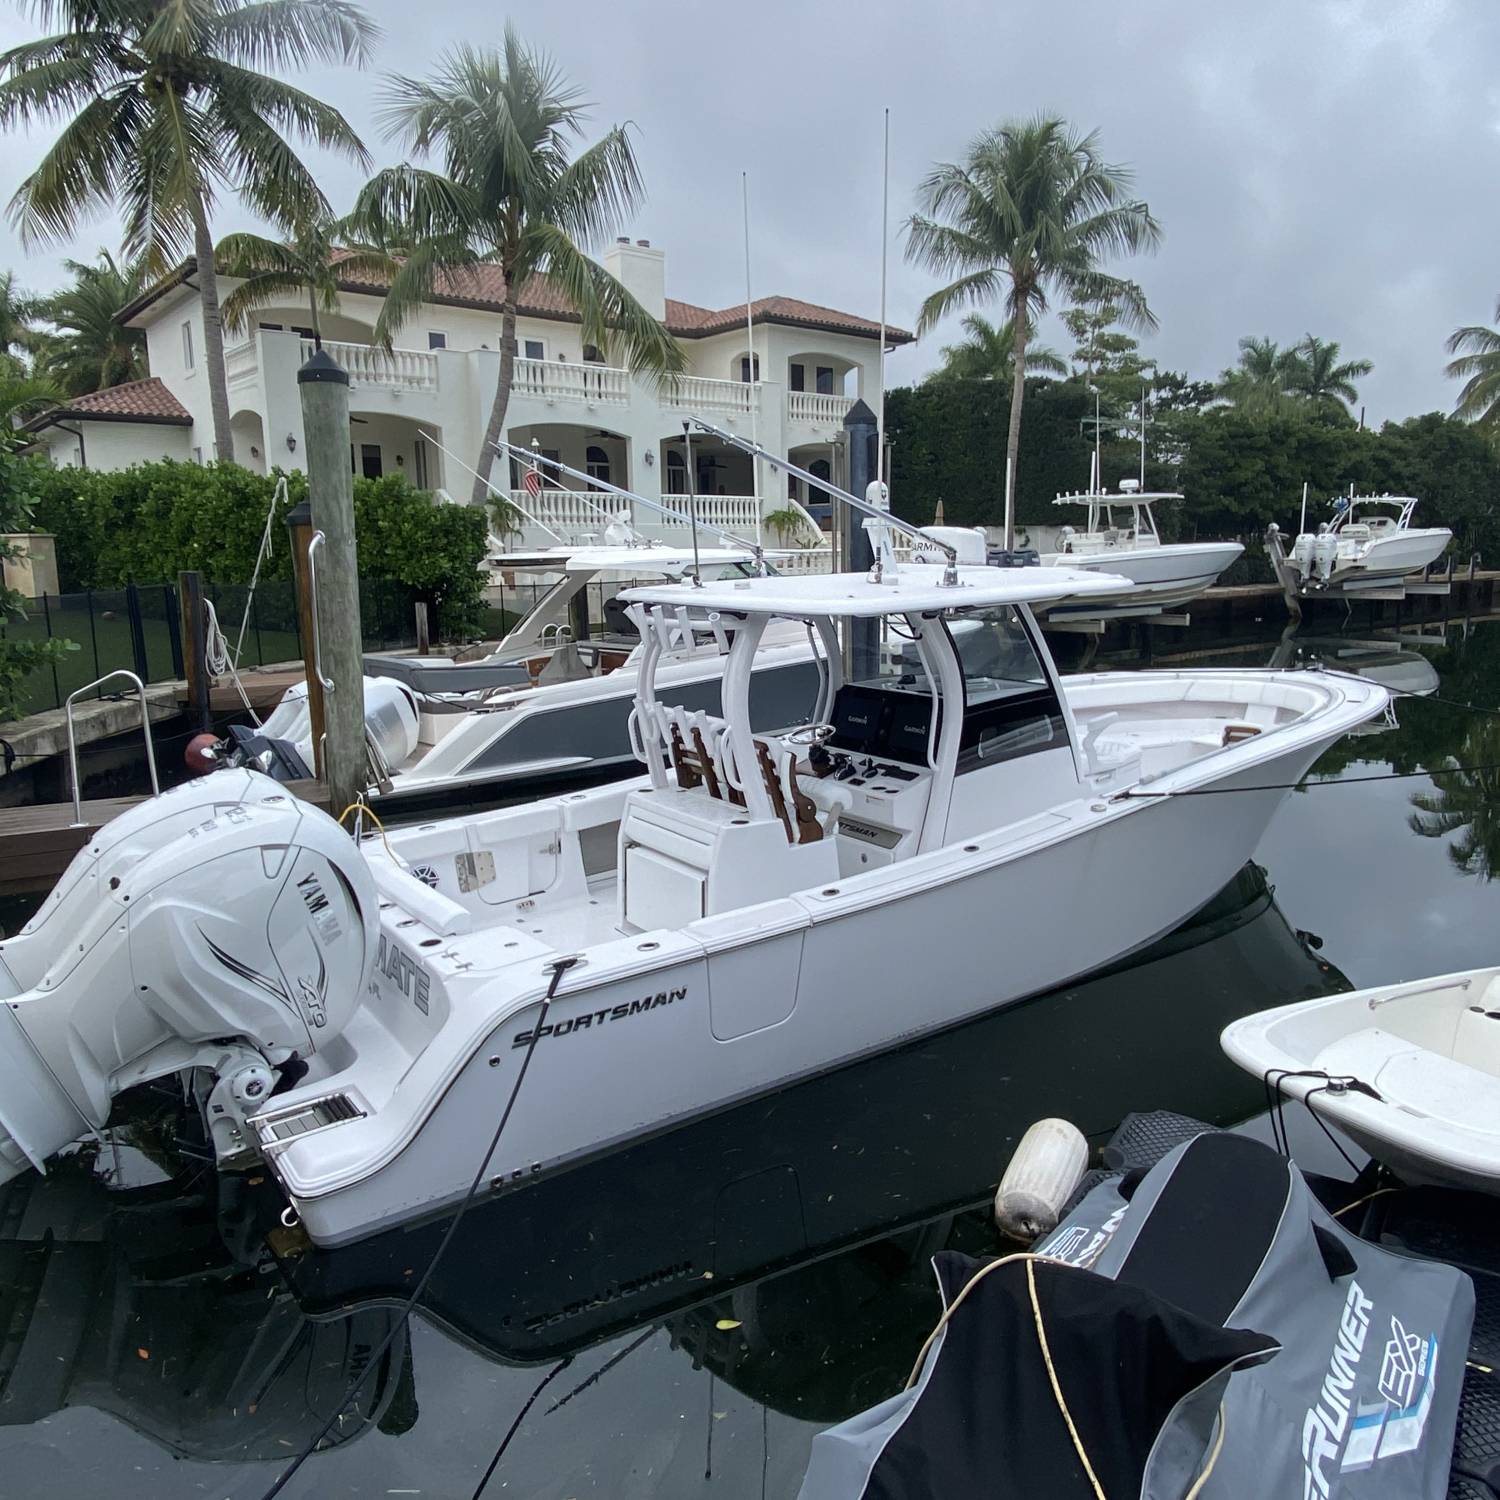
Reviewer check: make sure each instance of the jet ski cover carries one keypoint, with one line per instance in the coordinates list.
(1208, 1315)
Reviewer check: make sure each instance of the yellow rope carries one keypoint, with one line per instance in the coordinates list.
(1360, 1202)
(1213, 1458)
(1062, 1405)
(1041, 1334)
(364, 809)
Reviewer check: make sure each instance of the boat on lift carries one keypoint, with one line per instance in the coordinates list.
(1120, 536)
(1369, 543)
(1411, 1072)
(756, 908)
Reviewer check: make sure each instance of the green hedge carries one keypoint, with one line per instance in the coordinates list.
(154, 520)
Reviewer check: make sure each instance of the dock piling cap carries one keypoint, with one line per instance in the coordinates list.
(322, 367)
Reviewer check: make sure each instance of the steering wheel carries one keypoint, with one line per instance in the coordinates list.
(811, 734)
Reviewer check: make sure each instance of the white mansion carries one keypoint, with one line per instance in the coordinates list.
(421, 408)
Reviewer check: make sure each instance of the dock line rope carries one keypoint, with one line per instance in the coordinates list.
(520, 1417)
(559, 968)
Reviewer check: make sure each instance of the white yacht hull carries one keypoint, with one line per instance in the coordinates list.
(658, 1027)
(1428, 1051)
(1160, 576)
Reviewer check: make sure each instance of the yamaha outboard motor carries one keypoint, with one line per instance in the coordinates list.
(223, 931)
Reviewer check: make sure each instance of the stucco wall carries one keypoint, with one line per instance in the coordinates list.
(114, 445)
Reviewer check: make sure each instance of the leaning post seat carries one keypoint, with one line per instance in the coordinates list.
(693, 845)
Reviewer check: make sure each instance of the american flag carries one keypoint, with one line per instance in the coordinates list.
(533, 481)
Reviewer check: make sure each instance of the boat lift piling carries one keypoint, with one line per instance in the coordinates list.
(331, 572)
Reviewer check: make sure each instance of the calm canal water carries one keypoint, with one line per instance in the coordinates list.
(704, 1303)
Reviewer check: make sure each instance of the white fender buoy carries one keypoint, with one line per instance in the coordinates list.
(1046, 1168)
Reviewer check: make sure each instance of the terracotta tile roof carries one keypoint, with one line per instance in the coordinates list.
(136, 401)
(698, 322)
(483, 287)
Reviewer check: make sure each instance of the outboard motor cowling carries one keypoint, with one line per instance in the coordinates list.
(222, 926)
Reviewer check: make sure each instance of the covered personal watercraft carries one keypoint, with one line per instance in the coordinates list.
(1206, 1329)
(1409, 1071)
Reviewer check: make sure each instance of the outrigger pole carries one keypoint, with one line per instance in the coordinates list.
(755, 450)
(754, 548)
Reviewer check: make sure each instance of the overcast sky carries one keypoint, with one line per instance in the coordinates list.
(1317, 165)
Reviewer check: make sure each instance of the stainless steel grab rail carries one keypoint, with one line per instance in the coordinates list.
(318, 540)
(140, 688)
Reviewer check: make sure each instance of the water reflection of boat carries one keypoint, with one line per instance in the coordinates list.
(785, 1218)
(132, 1303)
(1389, 662)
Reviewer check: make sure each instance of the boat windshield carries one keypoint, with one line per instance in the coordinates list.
(996, 654)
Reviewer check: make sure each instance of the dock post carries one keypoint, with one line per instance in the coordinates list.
(860, 428)
(299, 524)
(424, 633)
(194, 646)
(332, 569)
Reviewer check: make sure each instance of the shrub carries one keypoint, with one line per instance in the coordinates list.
(154, 520)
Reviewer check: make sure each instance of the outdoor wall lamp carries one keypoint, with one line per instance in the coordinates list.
(650, 458)
(291, 442)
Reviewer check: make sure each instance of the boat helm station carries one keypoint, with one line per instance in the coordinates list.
(927, 688)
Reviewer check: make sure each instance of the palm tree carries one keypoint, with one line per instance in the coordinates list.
(93, 349)
(989, 352)
(164, 105)
(18, 313)
(1478, 366)
(1318, 377)
(1263, 382)
(309, 262)
(1032, 209)
(508, 196)
(20, 396)
(1465, 803)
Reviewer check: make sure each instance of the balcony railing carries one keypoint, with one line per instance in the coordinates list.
(698, 393)
(577, 515)
(573, 514)
(393, 369)
(810, 406)
(562, 380)
(241, 363)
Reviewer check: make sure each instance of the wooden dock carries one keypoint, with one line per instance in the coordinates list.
(265, 689)
(37, 842)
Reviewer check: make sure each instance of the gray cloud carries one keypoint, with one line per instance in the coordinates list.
(1318, 165)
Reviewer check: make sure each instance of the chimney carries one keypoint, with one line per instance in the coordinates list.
(642, 270)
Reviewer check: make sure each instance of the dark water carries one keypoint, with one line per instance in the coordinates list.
(715, 1296)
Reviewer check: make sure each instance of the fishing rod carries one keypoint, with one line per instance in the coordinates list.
(864, 507)
(526, 455)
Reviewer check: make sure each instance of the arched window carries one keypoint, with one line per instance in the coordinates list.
(676, 473)
(819, 469)
(591, 355)
(597, 463)
(745, 367)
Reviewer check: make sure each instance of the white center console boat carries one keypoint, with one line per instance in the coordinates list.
(1120, 536)
(1370, 543)
(756, 907)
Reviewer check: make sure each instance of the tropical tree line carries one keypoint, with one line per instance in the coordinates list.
(167, 106)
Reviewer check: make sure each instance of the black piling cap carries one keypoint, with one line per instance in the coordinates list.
(322, 367)
(299, 515)
(860, 415)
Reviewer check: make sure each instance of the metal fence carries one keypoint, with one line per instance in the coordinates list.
(139, 628)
